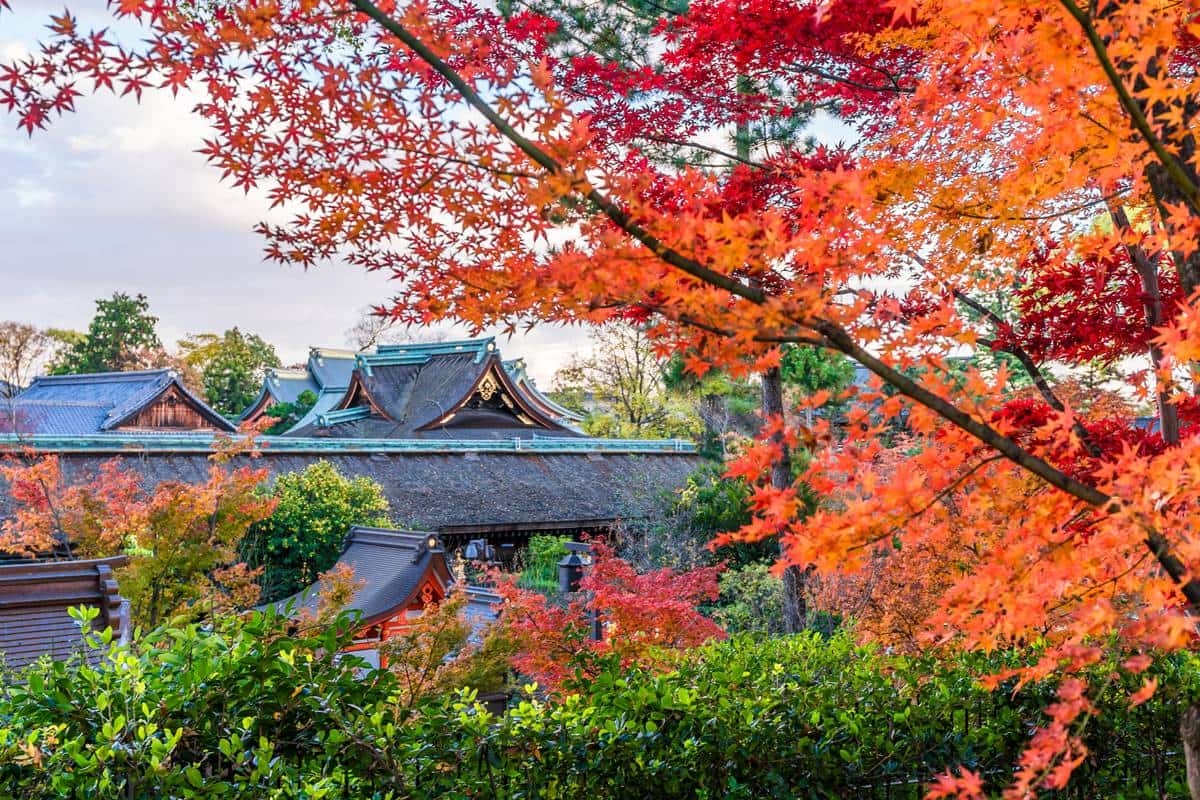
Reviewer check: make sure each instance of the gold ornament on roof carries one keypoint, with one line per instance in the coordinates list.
(488, 387)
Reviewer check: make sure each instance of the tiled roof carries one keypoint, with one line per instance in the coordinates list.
(411, 386)
(390, 565)
(63, 418)
(330, 367)
(418, 392)
(286, 385)
(69, 405)
(516, 370)
(326, 374)
(477, 348)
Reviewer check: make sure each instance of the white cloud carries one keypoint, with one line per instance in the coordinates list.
(30, 195)
(11, 50)
(87, 143)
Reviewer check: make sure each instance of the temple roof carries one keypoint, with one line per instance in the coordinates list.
(516, 370)
(446, 390)
(391, 566)
(326, 374)
(418, 391)
(286, 385)
(331, 367)
(71, 405)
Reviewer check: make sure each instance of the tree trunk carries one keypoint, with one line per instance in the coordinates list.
(795, 607)
(1180, 142)
(1167, 193)
(795, 604)
(1189, 732)
(710, 413)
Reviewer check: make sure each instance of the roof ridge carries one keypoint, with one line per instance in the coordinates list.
(65, 403)
(111, 377)
(479, 347)
(387, 535)
(348, 353)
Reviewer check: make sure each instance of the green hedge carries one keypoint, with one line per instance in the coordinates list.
(244, 711)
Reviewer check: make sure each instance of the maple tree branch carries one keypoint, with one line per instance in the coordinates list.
(1031, 368)
(697, 146)
(937, 498)
(615, 213)
(867, 64)
(1033, 217)
(1155, 541)
(894, 88)
(833, 336)
(708, 327)
(1027, 362)
(1099, 587)
(1138, 117)
(841, 340)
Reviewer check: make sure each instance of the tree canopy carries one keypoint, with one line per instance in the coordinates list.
(22, 350)
(231, 367)
(181, 538)
(121, 336)
(314, 511)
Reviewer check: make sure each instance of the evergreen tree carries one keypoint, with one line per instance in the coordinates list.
(119, 336)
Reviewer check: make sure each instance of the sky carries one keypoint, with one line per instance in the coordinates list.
(115, 198)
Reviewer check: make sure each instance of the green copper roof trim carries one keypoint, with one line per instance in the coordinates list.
(481, 347)
(202, 443)
(344, 415)
(366, 361)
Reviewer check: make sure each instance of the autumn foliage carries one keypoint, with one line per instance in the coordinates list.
(1022, 178)
(181, 538)
(641, 618)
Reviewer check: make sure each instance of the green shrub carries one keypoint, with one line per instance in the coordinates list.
(315, 510)
(243, 711)
(288, 414)
(539, 572)
(751, 600)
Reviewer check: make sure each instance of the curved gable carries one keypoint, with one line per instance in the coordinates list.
(494, 398)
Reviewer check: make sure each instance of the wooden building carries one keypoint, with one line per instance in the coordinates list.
(148, 401)
(400, 573)
(34, 600)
